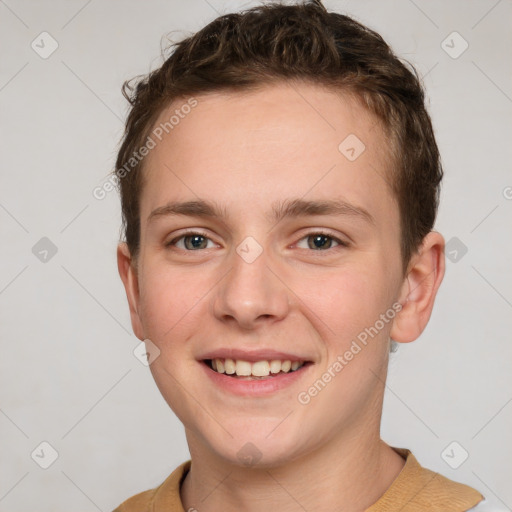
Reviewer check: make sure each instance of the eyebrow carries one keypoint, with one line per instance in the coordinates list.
(279, 210)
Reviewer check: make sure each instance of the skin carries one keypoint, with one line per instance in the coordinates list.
(245, 151)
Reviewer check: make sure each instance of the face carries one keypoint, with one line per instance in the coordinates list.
(267, 236)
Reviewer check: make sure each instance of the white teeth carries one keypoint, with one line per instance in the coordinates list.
(275, 366)
(229, 366)
(257, 369)
(243, 368)
(260, 369)
(219, 364)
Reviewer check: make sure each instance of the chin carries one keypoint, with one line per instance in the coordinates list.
(255, 443)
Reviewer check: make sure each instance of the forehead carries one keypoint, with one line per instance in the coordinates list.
(251, 148)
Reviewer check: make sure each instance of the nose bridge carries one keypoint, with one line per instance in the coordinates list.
(250, 292)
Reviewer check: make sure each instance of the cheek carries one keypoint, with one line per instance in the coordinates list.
(347, 310)
(170, 303)
(345, 302)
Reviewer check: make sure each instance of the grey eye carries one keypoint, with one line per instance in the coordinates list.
(319, 241)
(191, 242)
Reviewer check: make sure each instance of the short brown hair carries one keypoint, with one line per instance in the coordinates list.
(275, 42)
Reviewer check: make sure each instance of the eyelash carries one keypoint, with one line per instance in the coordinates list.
(341, 243)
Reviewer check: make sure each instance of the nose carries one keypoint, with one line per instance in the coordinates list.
(251, 294)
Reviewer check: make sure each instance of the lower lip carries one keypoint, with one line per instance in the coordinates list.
(256, 387)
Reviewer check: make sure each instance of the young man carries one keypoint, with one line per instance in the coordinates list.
(279, 180)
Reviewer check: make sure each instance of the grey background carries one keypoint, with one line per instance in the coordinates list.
(68, 375)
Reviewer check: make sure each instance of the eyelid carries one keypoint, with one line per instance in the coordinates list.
(189, 232)
(311, 232)
(325, 232)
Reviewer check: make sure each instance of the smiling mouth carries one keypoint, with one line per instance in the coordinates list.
(247, 370)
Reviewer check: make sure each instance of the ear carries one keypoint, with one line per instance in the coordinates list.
(424, 276)
(128, 271)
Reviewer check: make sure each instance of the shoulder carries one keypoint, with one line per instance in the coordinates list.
(140, 502)
(418, 489)
(443, 494)
(164, 497)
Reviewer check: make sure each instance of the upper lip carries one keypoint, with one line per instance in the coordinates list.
(262, 354)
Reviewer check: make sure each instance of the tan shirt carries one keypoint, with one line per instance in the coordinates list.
(415, 489)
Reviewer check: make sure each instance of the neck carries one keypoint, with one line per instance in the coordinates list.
(349, 473)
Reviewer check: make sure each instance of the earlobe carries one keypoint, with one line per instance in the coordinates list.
(128, 273)
(419, 289)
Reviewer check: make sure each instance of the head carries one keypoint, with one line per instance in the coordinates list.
(257, 125)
